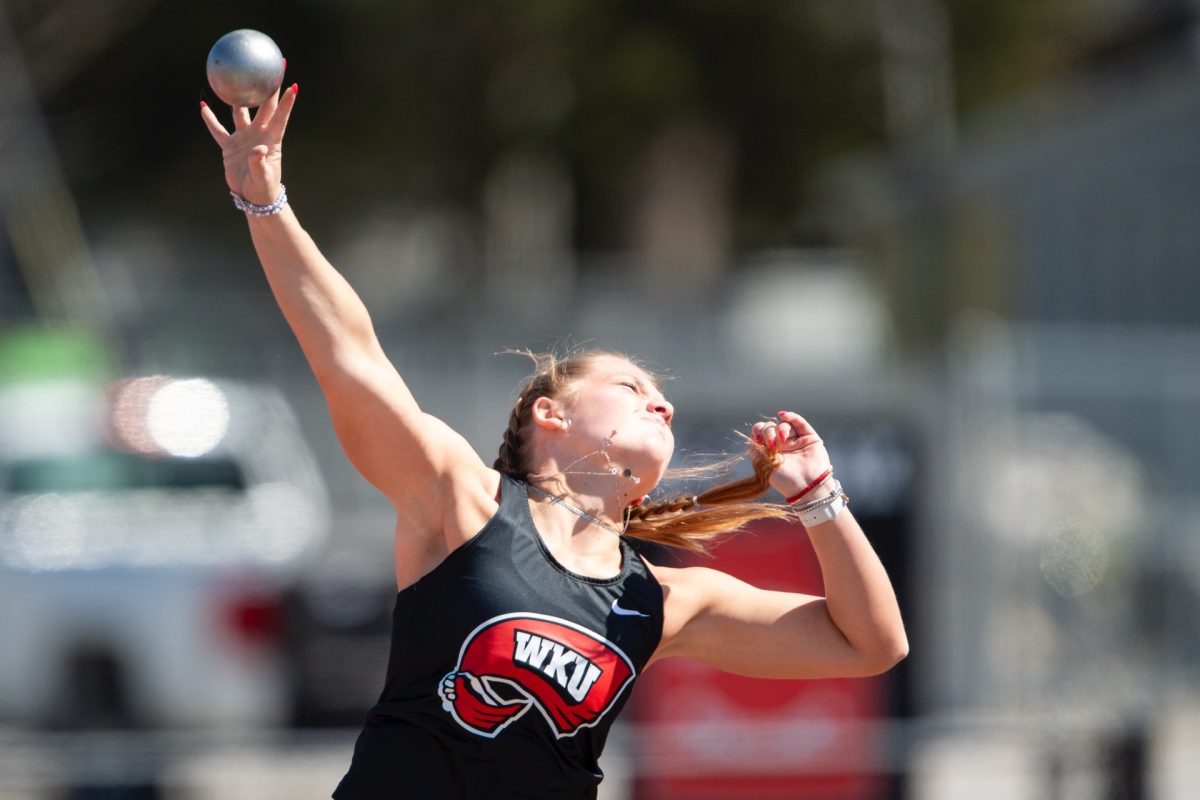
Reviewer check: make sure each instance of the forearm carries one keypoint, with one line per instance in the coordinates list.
(327, 317)
(858, 594)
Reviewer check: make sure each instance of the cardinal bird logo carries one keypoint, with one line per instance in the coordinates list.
(517, 661)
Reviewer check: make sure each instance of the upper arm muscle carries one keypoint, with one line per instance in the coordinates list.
(407, 454)
(733, 626)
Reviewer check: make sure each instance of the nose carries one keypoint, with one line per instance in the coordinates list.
(660, 406)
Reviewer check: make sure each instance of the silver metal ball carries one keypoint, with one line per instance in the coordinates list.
(245, 68)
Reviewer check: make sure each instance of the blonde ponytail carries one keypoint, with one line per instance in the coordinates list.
(694, 522)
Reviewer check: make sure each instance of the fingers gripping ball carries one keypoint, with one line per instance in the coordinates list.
(245, 68)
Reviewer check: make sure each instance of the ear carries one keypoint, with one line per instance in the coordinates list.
(548, 414)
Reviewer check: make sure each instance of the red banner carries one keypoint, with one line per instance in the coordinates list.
(707, 735)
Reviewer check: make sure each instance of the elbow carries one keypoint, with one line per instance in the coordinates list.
(886, 655)
(898, 651)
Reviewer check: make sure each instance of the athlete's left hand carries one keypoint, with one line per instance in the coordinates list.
(803, 454)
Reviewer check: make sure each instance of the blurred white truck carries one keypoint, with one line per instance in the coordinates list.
(150, 529)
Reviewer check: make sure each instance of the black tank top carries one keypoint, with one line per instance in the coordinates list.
(506, 671)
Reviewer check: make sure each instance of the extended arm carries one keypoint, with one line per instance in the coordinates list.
(405, 453)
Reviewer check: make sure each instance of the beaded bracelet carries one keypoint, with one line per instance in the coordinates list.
(242, 204)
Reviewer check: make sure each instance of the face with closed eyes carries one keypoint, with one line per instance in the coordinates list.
(619, 403)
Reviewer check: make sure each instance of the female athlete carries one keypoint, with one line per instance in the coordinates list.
(523, 615)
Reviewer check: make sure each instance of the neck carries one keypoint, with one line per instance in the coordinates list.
(603, 497)
(592, 487)
(584, 543)
(586, 516)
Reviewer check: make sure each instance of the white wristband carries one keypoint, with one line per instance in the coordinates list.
(825, 508)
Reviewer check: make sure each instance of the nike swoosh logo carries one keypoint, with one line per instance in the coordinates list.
(626, 612)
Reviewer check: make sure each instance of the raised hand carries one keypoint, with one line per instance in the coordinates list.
(253, 153)
(803, 454)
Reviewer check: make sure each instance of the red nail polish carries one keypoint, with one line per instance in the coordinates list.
(203, 104)
(295, 89)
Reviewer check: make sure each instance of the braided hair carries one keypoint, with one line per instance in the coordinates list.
(688, 521)
(551, 378)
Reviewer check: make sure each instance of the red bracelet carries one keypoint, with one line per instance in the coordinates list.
(817, 482)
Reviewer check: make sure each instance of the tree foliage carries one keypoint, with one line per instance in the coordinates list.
(418, 99)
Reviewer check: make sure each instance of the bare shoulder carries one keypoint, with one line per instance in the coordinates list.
(460, 494)
(427, 532)
(473, 499)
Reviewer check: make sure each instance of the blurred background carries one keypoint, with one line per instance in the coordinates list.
(960, 236)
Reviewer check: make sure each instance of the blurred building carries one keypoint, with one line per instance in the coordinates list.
(997, 333)
(1049, 258)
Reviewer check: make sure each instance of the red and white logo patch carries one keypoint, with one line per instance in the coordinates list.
(515, 661)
